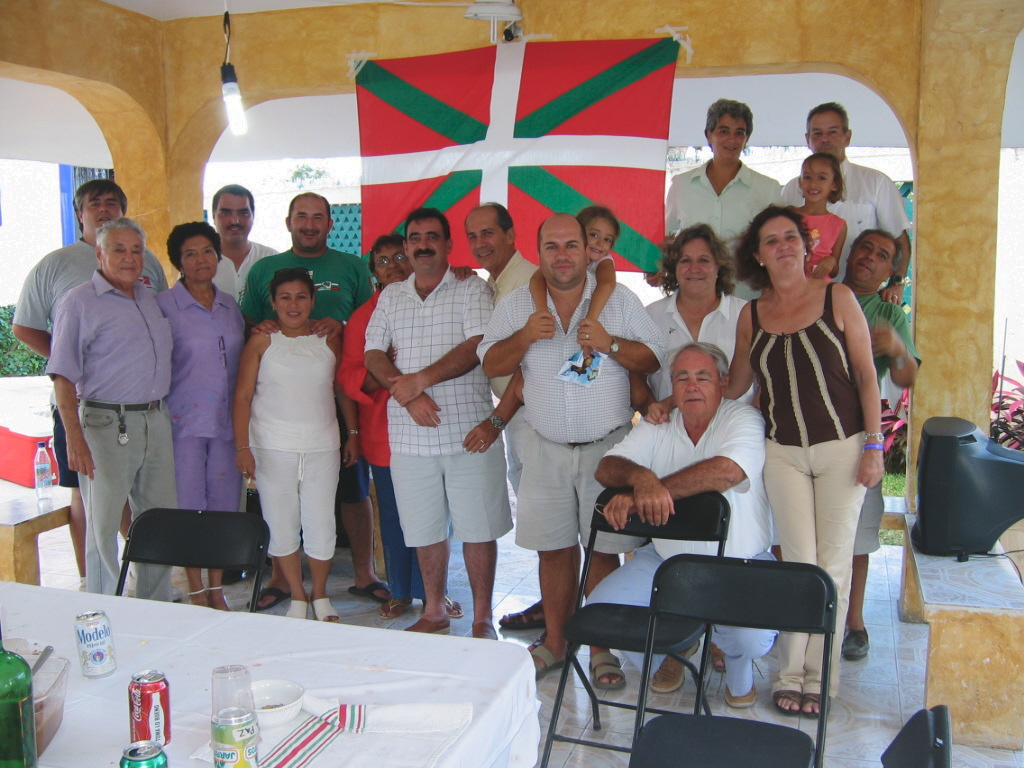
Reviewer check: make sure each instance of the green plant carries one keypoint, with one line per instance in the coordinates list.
(894, 435)
(15, 358)
(1007, 426)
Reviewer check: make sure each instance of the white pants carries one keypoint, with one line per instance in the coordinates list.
(631, 585)
(297, 493)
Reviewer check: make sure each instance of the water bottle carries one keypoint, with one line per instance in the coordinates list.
(44, 472)
(17, 720)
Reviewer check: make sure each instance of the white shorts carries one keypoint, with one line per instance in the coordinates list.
(558, 491)
(466, 492)
(297, 493)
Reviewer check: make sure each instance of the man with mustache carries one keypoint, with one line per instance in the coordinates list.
(96, 202)
(234, 209)
(342, 283)
(445, 474)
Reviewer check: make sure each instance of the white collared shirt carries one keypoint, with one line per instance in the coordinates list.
(517, 272)
(423, 331)
(736, 432)
(560, 411)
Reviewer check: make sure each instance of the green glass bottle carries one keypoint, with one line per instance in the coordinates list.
(17, 719)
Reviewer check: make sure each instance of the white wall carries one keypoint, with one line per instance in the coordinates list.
(30, 205)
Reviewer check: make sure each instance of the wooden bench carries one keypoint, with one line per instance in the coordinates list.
(975, 665)
(22, 519)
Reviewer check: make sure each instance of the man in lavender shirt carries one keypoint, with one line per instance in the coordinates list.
(110, 361)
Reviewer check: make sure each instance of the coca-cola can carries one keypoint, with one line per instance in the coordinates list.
(149, 705)
(95, 644)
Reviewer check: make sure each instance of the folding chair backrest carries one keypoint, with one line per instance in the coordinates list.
(703, 517)
(924, 742)
(789, 597)
(197, 539)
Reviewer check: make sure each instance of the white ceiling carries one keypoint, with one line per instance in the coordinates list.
(165, 10)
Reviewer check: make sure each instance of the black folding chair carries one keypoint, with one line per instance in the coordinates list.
(704, 517)
(924, 742)
(764, 594)
(198, 539)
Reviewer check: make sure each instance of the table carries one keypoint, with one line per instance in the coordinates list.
(22, 519)
(357, 664)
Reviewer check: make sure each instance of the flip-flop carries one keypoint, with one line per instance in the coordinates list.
(605, 663)
(278, 595)
(369, 591)
(548, 662)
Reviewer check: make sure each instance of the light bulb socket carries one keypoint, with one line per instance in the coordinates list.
(227, 74)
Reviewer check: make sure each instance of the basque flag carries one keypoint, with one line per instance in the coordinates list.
(539, 127)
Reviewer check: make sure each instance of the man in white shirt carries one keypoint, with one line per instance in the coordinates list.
(439, 396)
(708, 444)
(872, 201)
(234, 210)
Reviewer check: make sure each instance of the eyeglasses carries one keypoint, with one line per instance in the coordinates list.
(383, 261)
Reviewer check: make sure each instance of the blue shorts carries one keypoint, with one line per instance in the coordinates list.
(66, 478)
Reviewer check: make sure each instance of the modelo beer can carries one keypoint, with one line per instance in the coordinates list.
(234, 737)
(143, 754)
(149, 705)
(95, 644)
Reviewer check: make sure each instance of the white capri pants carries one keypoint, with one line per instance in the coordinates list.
(297, 492)
(631, 585)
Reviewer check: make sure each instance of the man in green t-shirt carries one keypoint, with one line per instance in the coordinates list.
(342, 284)
(874, 256)
(342, 280)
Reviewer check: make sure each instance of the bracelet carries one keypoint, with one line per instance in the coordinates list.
(874, 447)
(878, 437)
(243, 448)
(899, 363)
(353, 431)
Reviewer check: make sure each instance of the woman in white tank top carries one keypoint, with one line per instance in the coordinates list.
(286, 430)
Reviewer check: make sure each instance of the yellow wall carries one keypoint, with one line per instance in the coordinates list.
(940, 64)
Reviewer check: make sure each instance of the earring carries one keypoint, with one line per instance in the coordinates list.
(761, 263)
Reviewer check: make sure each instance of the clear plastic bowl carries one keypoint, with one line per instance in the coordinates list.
(49, 689)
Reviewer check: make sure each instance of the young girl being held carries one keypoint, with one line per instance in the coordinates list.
(602, 229)
(821, 183)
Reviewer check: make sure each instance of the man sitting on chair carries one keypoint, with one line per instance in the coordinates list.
(708, 444)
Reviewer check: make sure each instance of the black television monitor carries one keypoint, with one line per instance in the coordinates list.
(969, 488)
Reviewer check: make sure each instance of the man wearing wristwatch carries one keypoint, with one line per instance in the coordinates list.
(569, 427)
(874, 256)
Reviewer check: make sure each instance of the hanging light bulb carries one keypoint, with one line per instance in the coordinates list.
(229, 90)
(233, 100)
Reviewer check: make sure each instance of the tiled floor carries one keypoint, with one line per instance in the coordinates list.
(877, 694)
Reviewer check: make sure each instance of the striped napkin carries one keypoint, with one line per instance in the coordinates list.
(331, 719)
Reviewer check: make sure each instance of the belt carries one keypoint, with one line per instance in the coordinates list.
(153, 405)
(592, 442)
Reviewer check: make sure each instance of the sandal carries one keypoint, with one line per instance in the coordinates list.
(217, 607)
(395, 607)
(276, 596)
(811, 700)
(205, 602)
(531, 618)
(787, 697)
(371, 590)
(297, 609)
(717, 658)
(545, 661)
(606, 664)
(324, 611)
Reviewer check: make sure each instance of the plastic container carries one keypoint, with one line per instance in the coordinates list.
(49, 689)
(277, 701)
(42, 469)
(16, 456)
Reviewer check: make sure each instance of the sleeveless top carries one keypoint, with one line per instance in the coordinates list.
(293, 405)
(808, 395)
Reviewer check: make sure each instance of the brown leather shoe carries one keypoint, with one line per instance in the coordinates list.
(745, 701)
(669, 676)
(484, 630)
(429, 626)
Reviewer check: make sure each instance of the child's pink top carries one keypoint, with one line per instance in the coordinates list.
(824, 229)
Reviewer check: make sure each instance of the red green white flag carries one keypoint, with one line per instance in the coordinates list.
(539, 127)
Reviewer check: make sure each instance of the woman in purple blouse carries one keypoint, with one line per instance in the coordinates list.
(207, 329)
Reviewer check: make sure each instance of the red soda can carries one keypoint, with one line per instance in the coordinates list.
(149, 705)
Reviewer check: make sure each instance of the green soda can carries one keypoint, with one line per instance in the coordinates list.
(234, 737)
(143, 754)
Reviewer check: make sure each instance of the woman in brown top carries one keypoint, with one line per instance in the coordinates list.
(808, 344)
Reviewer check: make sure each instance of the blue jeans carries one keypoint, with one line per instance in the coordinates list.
(403, 570)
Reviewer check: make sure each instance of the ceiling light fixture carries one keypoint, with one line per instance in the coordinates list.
(494, 11)
(229, 86)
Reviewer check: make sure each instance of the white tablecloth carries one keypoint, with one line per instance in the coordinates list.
(358, 665)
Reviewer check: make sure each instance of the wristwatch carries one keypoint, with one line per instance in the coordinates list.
(497, 422)
(614, 348)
